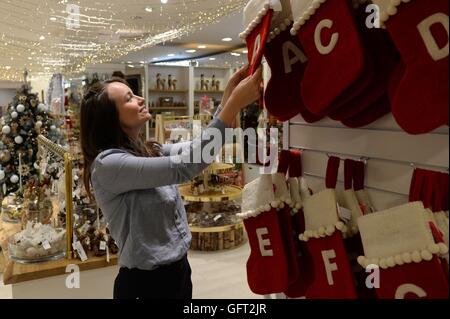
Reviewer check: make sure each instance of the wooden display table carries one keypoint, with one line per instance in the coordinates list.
(48, 280)
(232, 192)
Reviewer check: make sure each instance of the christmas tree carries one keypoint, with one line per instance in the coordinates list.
(25, 118)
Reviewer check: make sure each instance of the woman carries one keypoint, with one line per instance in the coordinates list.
(136, 185)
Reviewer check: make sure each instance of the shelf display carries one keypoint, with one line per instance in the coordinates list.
(211, 208)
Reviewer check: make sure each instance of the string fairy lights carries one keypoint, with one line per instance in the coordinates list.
(63, 36)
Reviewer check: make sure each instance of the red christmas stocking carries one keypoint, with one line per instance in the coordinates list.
(287, 64)
(332, 273)
(382, 58)
(305, 266)
(284, 214)
(336, 57)
(267, 265)
(420, 31)
(257, 19)
(399, 241)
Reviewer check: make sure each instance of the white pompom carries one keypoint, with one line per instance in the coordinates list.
(14, 114)
(39, 124)
(267, 208)
(14, 179)
(390, 262)
(407, 258)
(426, 255)
(362, 261)
(18, 139)
(20, 108)
(433, 248)
(53, 127)
(398, 260)
(6, 129)
(443, 249)
(383, 264)
(2, 174)
(415, 256)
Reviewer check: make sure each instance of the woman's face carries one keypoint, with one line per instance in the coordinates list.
(132, 111)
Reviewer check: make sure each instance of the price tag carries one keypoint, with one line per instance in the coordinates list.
(344, 214)
(103, 245)
(46, 245)
(79, 248)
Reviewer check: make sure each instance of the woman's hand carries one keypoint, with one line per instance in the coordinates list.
(244, 94)
(234, 81)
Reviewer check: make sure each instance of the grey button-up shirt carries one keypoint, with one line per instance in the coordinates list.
(141, 202)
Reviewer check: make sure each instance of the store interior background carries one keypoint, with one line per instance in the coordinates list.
(223, 274)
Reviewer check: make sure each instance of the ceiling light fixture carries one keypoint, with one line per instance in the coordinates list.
(149, 9)
(171, 55)
(227, 39)
(191, 51)
(212, 59)
(235, 54)
(42, 37)
(164, 1)
(202, 46)
(52, 19)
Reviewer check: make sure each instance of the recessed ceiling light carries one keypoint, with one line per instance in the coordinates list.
(191, 51)
(7, 67)
(154, 59)
(129, 61)
(52, 19)
(245, 51)
(142, 62)
(42, 37)
(202, 46)
(149, 9)
(212, 59)
(171, 55)
(130, 65)
(227, 39)
(164, 1)
(235, 54)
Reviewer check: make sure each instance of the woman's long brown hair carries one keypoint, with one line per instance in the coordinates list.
(101, 130)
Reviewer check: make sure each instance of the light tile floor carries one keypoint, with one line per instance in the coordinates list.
(215, 275)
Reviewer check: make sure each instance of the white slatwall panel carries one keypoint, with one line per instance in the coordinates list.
(390, 151)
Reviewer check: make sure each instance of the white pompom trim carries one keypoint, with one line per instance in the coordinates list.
(264, 208)
(306, 15)
(277, 30)
(415, 256)
(261, 14)
(323, 231)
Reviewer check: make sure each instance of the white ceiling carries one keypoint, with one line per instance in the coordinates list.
(35, 33)
(211, 36)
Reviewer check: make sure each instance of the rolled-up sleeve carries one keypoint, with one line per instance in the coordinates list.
(118, 171)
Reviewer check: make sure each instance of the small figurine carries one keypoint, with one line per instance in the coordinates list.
(163, 84)
(169, 82)
(158, 81)
(174, 84)
(213, 82)
(217, 85)
(204, 84)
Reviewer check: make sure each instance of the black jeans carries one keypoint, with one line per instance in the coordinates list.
(165, 282)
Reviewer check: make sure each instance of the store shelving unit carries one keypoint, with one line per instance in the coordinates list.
(218, 235)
